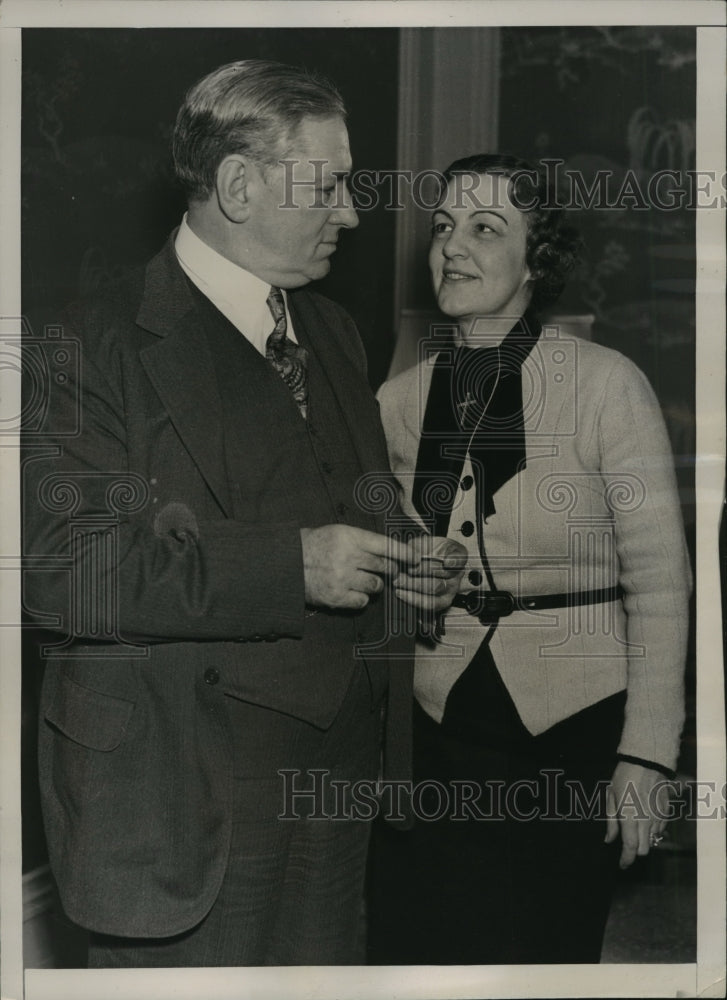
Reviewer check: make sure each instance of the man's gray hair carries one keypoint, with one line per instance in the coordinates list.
(252, 107)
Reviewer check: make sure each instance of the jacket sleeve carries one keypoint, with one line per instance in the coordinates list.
(653, 562)
(98, 565)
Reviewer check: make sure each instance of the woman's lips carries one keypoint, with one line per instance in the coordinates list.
(457, 276)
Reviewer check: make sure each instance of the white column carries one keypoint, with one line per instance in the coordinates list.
(448, 108)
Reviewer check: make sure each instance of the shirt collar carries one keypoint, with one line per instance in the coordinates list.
(238, 294)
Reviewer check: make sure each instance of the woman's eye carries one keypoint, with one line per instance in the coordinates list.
(483, 227)
(440, 227)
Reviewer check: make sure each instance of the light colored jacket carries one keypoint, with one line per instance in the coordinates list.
(596, 506)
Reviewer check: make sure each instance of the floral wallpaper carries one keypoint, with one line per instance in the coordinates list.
(618, 104)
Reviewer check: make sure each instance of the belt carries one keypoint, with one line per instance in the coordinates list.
(491, 605)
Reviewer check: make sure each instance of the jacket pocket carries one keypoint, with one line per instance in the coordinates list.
(94, 720)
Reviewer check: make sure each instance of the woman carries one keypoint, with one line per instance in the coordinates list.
(557, 698)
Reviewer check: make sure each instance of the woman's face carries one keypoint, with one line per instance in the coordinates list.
(477, 254)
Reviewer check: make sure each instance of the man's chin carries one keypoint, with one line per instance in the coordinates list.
(318, 270)
(312, 272)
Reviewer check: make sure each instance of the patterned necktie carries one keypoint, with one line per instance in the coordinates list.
(286, 357)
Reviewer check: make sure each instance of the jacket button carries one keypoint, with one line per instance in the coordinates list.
(341, 509)
(272, 637)
(475, 577)
(467, 483)
(256, 638)
(467, 529)
(211, 676)
(327, 467)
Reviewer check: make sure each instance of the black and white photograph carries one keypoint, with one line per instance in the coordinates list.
(362, 429)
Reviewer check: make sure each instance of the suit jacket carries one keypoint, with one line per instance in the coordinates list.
(596, 505)
(174, 581)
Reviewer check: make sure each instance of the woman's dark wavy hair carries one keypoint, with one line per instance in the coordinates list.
(554, 246)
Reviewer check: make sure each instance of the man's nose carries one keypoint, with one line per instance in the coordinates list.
(344, 214)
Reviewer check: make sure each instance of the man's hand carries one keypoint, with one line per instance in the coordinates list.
(431, 579)
(637, 808)
(344, 566)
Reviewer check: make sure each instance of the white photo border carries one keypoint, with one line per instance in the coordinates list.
(706, 977)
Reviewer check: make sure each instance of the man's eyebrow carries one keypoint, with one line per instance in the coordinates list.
(335, 175)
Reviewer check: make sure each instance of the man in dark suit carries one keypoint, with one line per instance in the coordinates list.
(198, 528)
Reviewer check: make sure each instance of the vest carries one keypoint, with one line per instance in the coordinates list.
(309, 471)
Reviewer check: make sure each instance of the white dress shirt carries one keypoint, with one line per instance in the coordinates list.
(238, 294)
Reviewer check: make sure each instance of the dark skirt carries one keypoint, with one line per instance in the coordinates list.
(506, 863)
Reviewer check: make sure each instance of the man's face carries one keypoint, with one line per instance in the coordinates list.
(299, 206)
(478, 251)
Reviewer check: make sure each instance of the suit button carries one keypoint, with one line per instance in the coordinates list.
(256, 638)
(341, 509)
(327, 467)
(475, 577)
(271, 638)
(467, 529)
(211, 676)
(467, 483)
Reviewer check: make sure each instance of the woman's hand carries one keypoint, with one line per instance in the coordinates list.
(637, 804)
(432, 577)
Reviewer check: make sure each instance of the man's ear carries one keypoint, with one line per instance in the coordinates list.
(231, 183)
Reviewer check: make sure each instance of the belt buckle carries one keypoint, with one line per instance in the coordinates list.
(497, 604)
(490, 605)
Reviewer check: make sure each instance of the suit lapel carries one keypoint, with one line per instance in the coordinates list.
(181, 369)
(347, 382)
